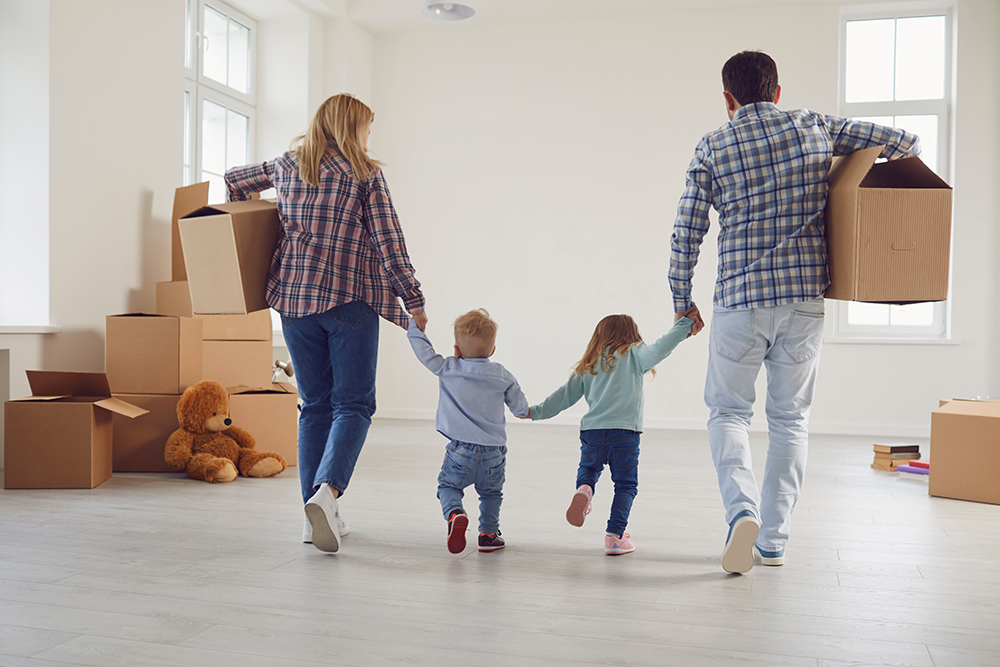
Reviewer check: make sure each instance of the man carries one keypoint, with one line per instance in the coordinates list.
(766, 173)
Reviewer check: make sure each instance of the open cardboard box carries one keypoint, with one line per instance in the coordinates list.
(888, 230)
(965, 451)
(271, 415)
(60, 437)
(227, 250)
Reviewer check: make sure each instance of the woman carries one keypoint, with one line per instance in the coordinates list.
(340, 263)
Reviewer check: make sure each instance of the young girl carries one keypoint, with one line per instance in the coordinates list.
(610, 376)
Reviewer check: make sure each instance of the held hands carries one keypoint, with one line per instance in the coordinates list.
(694, 315)
(527, 416)
(420, 317)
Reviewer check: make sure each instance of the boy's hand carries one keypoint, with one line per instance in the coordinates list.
(527, 416)
(420, 318)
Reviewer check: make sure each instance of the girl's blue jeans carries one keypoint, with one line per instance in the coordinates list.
(619, 449)
(334, 355)
(465, 464)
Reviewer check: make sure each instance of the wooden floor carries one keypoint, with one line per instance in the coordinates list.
(156, 570)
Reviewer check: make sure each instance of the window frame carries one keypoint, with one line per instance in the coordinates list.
(939, 331)
(198, 87)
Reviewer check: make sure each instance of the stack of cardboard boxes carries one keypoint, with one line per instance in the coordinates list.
(78, 428)
(152, 359)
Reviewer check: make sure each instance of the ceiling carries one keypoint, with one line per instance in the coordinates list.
(379, 16)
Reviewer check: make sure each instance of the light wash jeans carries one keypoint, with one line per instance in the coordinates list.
(786, 340)
(334, 355)
(482, 465)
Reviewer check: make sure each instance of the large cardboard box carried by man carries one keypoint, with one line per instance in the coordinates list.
(60, 437)
(888, 230)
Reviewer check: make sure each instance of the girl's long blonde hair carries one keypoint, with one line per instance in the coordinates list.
(341, 121)
(615, 334)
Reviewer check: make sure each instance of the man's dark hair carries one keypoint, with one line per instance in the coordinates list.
(750, 76)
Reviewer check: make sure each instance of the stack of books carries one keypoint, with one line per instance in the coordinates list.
(892, 454)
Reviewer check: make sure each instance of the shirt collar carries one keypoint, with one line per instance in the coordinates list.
(755, 110)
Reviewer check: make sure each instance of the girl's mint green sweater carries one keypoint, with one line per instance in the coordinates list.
(615, 397)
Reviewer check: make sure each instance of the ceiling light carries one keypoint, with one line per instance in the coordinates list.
(448, 11)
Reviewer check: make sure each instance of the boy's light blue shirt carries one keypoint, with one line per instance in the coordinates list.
(615, 398)
(473, 394)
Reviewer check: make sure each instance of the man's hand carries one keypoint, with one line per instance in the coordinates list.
(694, 315)
(420, 318)
(527, 416)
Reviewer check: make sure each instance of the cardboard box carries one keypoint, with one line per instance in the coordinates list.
(888, 230)
(965, 451)
(227, 255)
(186, 200)
(271, 415)
(138, 445)
(234, 362)
(174, 298)
(152, 354)
(61, 436)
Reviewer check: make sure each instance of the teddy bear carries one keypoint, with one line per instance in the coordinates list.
(208, 447)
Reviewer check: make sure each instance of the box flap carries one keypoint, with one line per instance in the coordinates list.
(972, 408)
(909, 172)
(234, 207)
(187, 199)
(849, 170)
(276, 388)
(68, 383)
(40, 398)
(120, 407)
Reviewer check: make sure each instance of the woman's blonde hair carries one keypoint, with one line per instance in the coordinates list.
(341, 121)
(615, 334)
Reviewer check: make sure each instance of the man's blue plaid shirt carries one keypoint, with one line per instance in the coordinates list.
(766, 173)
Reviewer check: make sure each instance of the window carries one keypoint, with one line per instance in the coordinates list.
(895, 70)
(220, 93)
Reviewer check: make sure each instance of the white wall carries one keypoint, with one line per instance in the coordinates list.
(24, 162)
(537, 168)
(115, 139)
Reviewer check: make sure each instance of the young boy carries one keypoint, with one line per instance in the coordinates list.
(471, 415)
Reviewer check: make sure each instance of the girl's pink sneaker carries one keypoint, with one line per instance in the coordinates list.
(615, 546)
(579, 507)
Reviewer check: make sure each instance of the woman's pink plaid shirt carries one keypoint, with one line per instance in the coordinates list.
(340, 242)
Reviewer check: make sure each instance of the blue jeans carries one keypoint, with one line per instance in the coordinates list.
(334, 355)
(786, 340)
(618, 448)
(465, 464)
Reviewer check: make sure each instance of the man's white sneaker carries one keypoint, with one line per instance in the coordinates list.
(307, 529)
(321, 512)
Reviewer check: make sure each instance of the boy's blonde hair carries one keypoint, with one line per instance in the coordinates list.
(476, 334)
(341, 121)
(615, 334)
